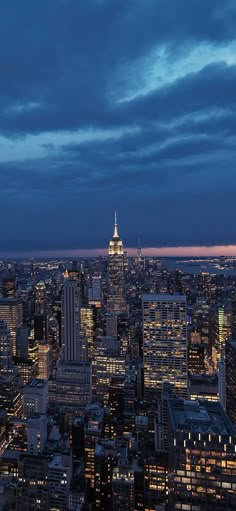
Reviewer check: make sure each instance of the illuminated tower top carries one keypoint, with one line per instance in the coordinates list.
(116, 244)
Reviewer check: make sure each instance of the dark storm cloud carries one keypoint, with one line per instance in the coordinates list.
(117, 104)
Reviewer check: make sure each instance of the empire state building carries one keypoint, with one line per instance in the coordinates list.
(116, 301)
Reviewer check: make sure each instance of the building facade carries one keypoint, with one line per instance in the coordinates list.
(165, 343)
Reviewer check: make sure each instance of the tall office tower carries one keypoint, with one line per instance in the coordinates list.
(39, 328)
(233, 310)
(165, 343)
(53, 337)
(111, 325)
(87, 327)
(11, 312)
(71, 342)
(59, 481)
(36, 433)
(139, 251)
(10, 392)
(222, 379)
(9, 285)
(230, 360)
(80, 278)
(44, 360)
(196, 354)
(40, 311)
(201, 457)
(40, 298)
(93, 430)
(35, 398)
(116, 300)
(223, 331)
(96, 289)
(71, 387)
(32, 490)
(155, 480)
(123, 491)
(106, 362)
(5, 349)
(22, 342)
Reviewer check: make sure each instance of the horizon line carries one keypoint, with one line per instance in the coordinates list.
(170, 251)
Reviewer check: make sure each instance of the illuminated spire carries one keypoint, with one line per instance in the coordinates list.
(115, 235)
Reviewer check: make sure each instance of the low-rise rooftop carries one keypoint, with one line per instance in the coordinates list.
(200, 416)
(163, 297)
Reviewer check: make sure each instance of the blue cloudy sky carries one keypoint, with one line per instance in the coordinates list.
(126, 104)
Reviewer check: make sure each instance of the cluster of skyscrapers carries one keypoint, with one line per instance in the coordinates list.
(117, 386)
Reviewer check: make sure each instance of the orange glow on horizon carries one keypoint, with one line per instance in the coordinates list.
(181, 251)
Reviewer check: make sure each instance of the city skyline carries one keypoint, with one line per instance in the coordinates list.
(130, 105)
(178, 251)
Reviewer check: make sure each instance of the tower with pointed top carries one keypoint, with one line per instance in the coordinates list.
(116, 301)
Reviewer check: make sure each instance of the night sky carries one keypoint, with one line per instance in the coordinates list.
(126, 104)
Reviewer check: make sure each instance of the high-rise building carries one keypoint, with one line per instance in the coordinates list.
(5, 349)
(12, 313)
(139, 251)
(111, 325)
(223, 331)
(222, 381)
(116, 301)
(32, 488)
(95, 290)
(105, 365)
(36, 433)
(10, 392)
(201, 457)
(230, 360)
(59, 480)
(123, 489)
(35, 397)
(43, 360)
(71, 387)
(164, 343)
(40, 298)
(9, 285)
(87, 328)
(71, 341)
(39, 327)
(93, 429)
(10, 395)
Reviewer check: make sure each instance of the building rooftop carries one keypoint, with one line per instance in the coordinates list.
(199, 416)
(163, 297)
(59, 461)
(203, 380)
(37, 383)
(9, 301)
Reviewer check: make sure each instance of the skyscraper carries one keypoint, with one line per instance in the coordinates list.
(231, 379)
(201, 457)
(96, 289)
(71, 384)
(71, 321)
(116, 300)
(44, 360)
(40, 298)
(165, 343)
(9, 285)
(11, 311)
(5, 349)
(223, 331)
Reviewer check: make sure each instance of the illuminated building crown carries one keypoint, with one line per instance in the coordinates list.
(116, 244)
